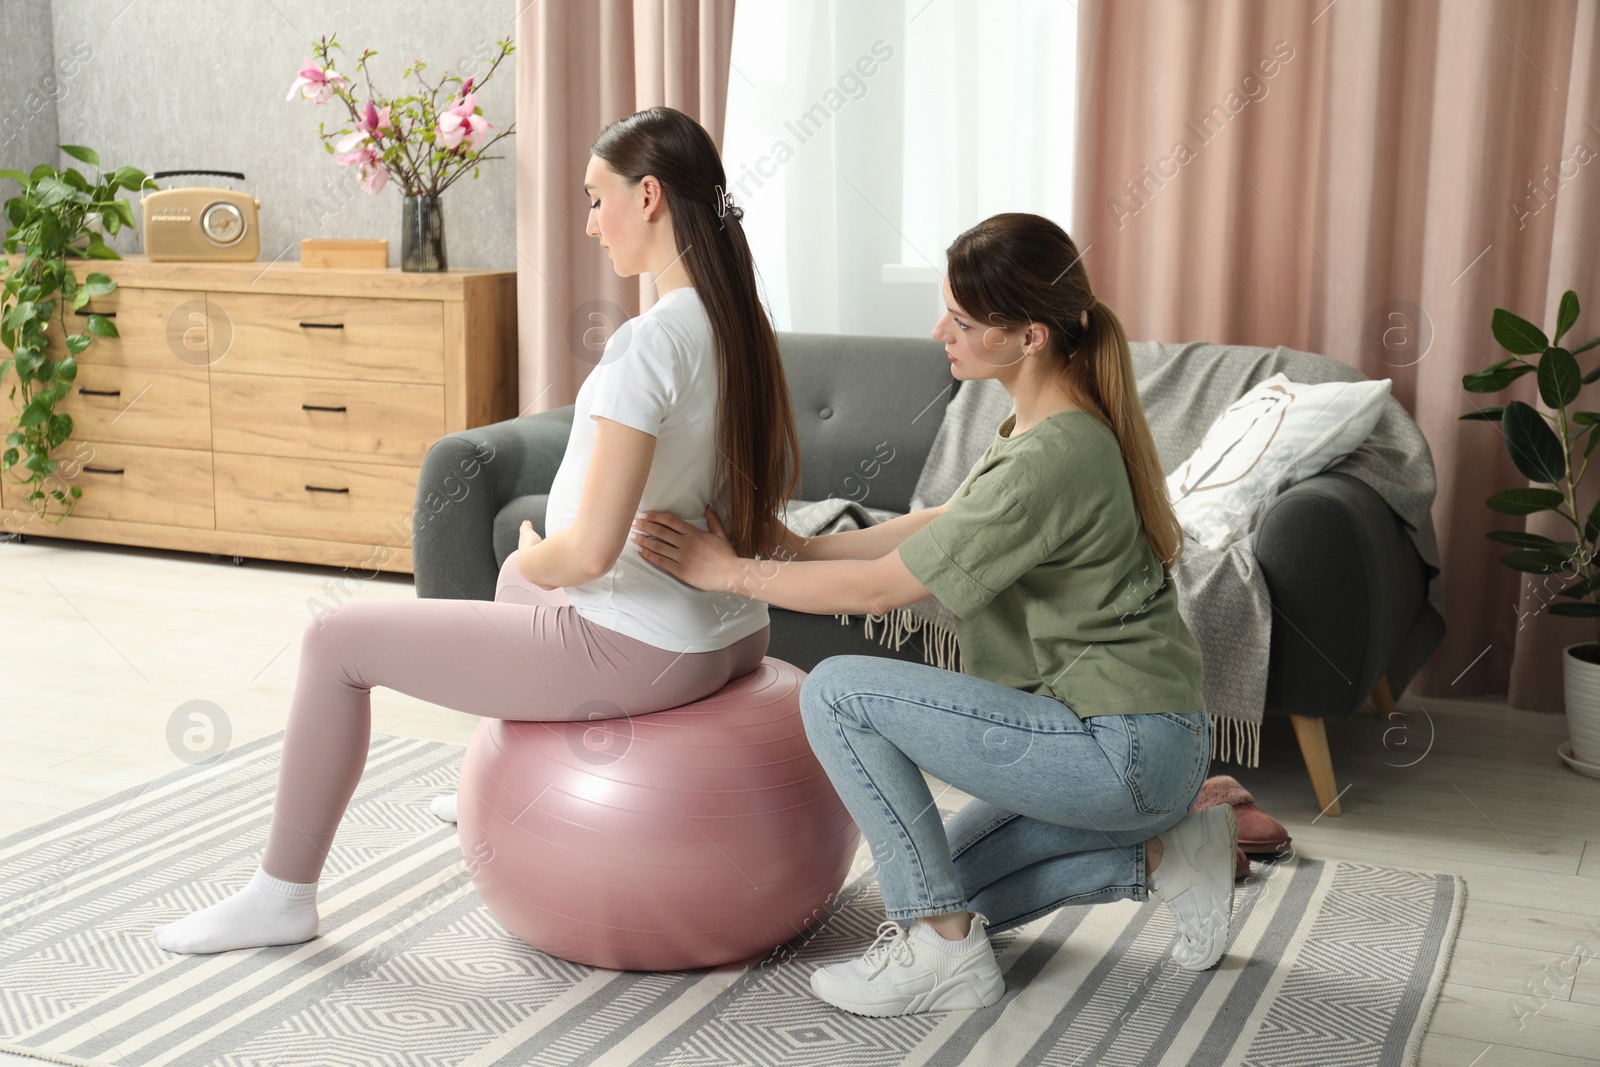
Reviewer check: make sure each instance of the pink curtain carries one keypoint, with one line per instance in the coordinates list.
(581, 65)
(1366, 179)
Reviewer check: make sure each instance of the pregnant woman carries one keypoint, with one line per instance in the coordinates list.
(1079, 727)
(687, 405)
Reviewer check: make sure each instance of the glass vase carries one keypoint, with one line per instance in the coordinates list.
(422, 234)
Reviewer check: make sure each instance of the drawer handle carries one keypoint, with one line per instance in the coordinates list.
(82, 314)
(323, 489)
(322, 325)
(320, 407)
(103, 470)
(100, 392)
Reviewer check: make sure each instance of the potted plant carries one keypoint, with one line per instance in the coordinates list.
(58, 214)
(424, 146)
(1545, 447)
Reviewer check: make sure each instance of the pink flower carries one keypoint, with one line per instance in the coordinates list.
(461, 121)
(315, 83)
(371, 124)
(370, 169)
(376, 121)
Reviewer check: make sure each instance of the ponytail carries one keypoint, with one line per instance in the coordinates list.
(1105, 361)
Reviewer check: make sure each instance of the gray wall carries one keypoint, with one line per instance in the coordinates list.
(172, 84)
(30, 85)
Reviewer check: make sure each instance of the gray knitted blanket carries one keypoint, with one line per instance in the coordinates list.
(1222, 594)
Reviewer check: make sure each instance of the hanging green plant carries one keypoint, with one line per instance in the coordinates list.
(56, 216)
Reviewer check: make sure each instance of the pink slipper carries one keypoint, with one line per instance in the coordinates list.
(1258, 832)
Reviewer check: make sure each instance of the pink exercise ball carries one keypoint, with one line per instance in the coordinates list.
(674, 840)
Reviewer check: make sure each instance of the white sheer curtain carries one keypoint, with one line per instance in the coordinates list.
(862, 138)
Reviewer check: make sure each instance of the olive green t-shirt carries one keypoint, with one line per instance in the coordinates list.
(1054, 586)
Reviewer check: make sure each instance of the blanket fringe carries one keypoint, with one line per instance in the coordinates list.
(1232, 740)
(1235, 741)
(940, 647)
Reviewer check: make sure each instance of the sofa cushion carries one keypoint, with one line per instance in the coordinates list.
(866, 410)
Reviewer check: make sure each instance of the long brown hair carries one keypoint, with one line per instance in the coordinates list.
(758, 450)
(1016, 268)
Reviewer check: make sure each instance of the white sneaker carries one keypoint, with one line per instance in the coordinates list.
(1195, 880)
(907, 972)
(444, 807)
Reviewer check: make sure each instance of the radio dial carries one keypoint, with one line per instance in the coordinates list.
(222, 223)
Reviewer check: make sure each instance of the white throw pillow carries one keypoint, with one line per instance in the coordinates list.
(1277, 434)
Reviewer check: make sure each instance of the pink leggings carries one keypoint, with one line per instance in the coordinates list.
(528, 655)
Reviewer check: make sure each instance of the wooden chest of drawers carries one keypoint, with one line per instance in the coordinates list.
(263, 410)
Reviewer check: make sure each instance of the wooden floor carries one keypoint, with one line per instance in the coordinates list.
(105, 643)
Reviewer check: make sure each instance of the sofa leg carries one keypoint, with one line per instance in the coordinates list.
(1313, 735)
(1383, 699)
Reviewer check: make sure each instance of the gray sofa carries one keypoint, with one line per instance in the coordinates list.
(1335, 556)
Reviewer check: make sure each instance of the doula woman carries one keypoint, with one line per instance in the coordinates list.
(1079, 726)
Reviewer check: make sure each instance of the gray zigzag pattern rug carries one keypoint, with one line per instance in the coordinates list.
(1331, 963)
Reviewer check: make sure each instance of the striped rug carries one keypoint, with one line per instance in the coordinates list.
(1331, 963)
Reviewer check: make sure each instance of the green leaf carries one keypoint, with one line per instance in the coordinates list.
(34, 413)
(1517, 334)
(1566, 316)
(1586, 418)
(1582, 587)
(1559, 378)
(1521, 539)
(100, 326)
(1485, 414)
(1590, 343)
(1492, 381)
(77, 342)
(16, 176)
(1591, 526)
(1525, 501)
(1581, 610)
(53, 191)
(88, 155)
(96, 284)
(1534, 562)
(1532, 444)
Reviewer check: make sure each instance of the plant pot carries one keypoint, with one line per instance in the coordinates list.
(422, 234)
(1582, 690)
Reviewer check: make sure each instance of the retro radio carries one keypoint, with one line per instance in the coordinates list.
(200, 224)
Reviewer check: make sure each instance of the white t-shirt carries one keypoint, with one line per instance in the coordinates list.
(658, 374)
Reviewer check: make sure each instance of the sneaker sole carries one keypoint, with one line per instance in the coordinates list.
(964, 996)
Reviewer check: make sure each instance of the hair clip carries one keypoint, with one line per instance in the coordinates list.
(724, 202)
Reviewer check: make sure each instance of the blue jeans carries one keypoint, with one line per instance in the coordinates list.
(1063, 804)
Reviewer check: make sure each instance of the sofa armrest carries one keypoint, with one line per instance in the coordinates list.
(466, 478)
(1345, 583)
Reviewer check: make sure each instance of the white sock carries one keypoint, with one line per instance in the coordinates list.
(267, 911)
(924, 931)
(444, 806)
